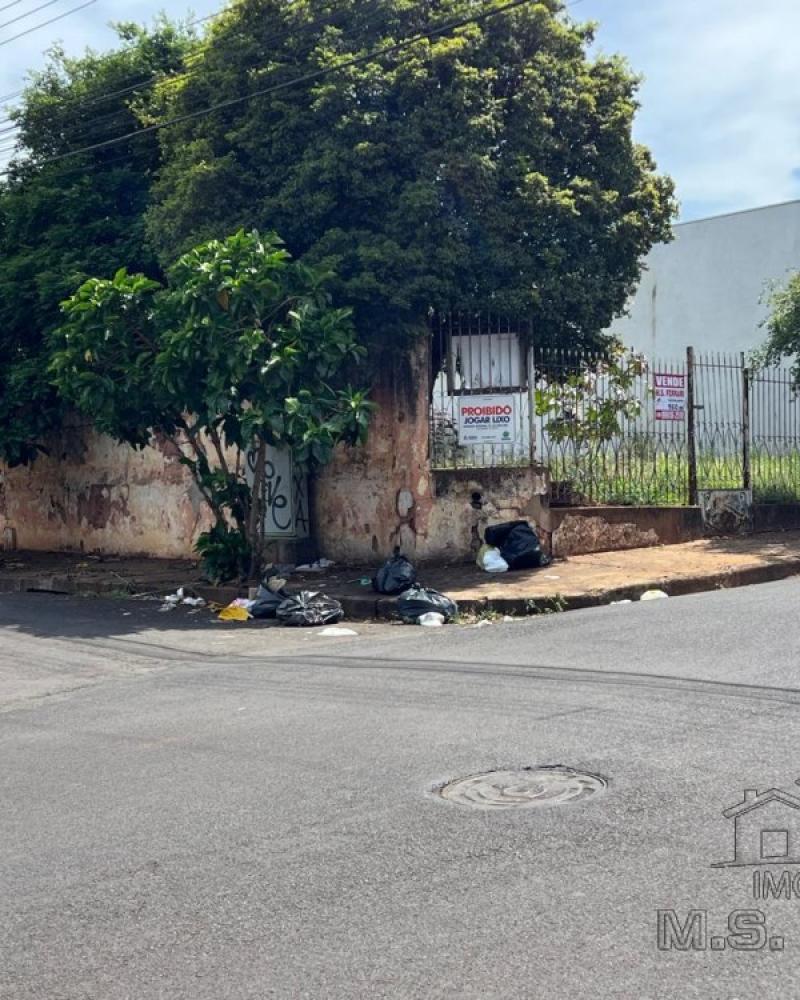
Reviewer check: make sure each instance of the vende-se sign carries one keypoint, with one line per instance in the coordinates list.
(486, 419)
(670, 393)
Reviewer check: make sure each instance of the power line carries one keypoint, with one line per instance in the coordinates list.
(167, 78)
(125, 90)
(304, 78)
(174, 78)
(14, 3)
(28, 13)
(43, 24)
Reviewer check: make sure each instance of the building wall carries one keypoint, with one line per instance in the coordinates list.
(93, 495)
(704, 288)
(370, 499)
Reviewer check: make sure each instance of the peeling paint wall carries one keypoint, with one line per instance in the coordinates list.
(93, 495)
(580, 530)
(581, 535)
(469, 500)
(370, 499)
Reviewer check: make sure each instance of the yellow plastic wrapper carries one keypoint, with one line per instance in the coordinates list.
(234, 613)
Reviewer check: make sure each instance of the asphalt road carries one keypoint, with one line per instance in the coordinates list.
(199, 811)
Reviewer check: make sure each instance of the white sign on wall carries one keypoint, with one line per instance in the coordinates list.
(285, 495)
(670, 393)
(486, 419)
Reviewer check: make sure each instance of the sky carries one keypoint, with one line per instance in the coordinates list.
(720, 98)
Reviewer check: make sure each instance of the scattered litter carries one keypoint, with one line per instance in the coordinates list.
(551, 576)
(622, 602)
(332, 630)
(491, 559)
(509, 618)
(234, 613)
(417, 601)
(396, 575)
(432, 619)
(518, 544)
(268, 599)
(181, 597)
(126, 614)
(653, 595)
(242, 602)
(481, 624)
(309, 608)
(316, 567)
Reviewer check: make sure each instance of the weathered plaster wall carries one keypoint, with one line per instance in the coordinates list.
(370, 499)
(579, 530)
(91, 494)
(469, 500)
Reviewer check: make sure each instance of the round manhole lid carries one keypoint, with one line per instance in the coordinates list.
(525, 788)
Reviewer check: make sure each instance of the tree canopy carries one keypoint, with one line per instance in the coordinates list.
(64, 221)
(490, 165)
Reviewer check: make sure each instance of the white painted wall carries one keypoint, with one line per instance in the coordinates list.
(704, 288)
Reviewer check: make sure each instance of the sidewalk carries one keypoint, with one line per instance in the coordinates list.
(578, 582)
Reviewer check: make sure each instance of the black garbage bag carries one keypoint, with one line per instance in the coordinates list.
(309, 608)
(497, 534)
(522, 549)
(267, 602)
(418, 601)
(396, 575)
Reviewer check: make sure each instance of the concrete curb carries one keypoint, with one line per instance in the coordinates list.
(367, 608)
(372, 607)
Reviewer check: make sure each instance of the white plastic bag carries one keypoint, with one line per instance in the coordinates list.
(489, 559)
(431, 620)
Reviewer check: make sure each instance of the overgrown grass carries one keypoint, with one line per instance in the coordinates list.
(663, 480)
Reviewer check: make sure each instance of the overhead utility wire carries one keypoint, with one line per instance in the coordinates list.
(43, 24)
(175, 78)
(441, 29)
(304, 78)
(29, 13)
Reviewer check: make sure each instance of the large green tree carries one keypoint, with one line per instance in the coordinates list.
(490, 165)
(63, 221)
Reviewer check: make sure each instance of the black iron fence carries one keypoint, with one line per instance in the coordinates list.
(612, 428)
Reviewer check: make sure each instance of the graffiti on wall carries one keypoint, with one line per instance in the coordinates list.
(286, 512)
(727, 512)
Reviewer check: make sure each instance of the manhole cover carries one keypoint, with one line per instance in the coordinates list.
(525, 788)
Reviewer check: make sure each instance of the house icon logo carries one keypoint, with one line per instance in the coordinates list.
(766, 829)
